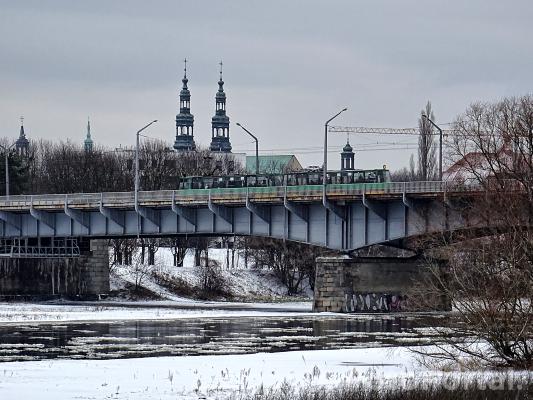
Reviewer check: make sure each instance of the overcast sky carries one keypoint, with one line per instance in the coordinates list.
(288, 67)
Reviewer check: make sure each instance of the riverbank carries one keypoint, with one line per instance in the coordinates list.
(228, 377)
(164, 281)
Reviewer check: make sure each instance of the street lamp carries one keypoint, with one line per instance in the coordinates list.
(137, 167)
(440, 143)
(6, 150)
(256, 148)
(325, 165)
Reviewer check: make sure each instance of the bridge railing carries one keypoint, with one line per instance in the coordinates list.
(230, 195)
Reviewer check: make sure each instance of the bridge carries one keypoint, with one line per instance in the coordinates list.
(343, 217)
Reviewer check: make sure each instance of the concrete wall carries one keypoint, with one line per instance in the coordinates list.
(86, 276)
(346, 284)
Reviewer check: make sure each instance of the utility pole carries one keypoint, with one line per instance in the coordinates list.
(6, 152)
(256, 148)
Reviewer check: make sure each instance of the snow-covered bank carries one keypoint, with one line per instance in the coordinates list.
(210, 377)
(168, 282)
(41, 313)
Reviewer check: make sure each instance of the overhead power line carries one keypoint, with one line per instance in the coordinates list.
(382, 131)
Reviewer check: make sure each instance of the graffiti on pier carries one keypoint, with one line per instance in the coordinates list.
(358, 302)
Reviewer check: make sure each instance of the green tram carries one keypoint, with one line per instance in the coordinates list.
(289, 179)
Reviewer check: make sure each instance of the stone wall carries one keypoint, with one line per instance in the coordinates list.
(86, 276)
(345, 284)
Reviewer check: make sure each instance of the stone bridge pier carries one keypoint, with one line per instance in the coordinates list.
(376, 284)
(83, 277)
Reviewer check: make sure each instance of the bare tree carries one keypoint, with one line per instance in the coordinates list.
(427, 161)
(405, 174)
(490, 280)
(291, 262)
(139, 270)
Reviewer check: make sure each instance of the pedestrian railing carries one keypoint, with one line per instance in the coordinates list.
(229, 195)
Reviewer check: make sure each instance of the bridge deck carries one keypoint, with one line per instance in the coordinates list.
(227, 196)
(351, 216)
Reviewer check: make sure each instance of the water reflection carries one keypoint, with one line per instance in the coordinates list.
(207, 336)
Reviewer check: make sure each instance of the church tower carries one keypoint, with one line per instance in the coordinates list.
(22, 145)
(185, 120)
(347, 158)
(88, 143)
(220, 121)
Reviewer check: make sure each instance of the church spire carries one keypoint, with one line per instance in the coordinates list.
(88, 143)
(185, 120)
(220, 121)
(22, 144)
(347, 157)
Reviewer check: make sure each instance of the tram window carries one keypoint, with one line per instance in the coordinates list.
(314, 179)
(251, 181)
(208, 183)
(291, 180)
(302, 179)
(262, 181)
(276, 180)
(219, 183)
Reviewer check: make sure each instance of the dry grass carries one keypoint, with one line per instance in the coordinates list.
(496, 387)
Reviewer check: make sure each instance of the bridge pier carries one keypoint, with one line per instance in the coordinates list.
(83, 277)
(374, 284)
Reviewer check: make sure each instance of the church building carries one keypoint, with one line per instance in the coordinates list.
(220, 121)
(185, 120)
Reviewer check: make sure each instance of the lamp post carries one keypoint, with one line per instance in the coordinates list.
(256, 148)
(137, 169)
(6, 150)
(440, 143)
(325, 165)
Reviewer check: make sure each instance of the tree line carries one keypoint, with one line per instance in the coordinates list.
(65, 167)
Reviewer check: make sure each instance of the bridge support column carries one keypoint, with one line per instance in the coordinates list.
(381, 284)
(83, 277)
(94, 262)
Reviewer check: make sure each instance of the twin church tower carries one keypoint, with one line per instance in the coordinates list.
(185, 120)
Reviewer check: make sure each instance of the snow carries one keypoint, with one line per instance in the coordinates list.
(164, 256)
(193, 377)
(240, 281)
(116, 311)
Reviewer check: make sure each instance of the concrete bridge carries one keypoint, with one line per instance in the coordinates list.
(343, 217)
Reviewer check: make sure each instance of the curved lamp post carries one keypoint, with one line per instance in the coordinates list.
(256, 148)
(325, 165)
(440, 143)
(137, 171)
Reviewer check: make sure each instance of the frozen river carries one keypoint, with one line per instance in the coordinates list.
(210, 334)
(201, 350)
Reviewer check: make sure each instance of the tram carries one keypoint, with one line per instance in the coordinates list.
(302, 178)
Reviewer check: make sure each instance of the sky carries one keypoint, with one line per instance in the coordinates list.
(288, 67)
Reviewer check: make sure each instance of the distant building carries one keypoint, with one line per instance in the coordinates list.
(185, 120)
(476, 166)
(88, 143)
(220, 122)
(22, 145)
(347, 158)
(274, 164)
